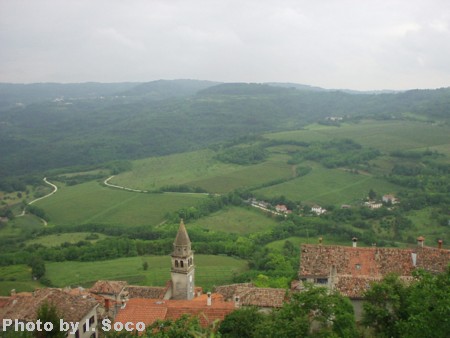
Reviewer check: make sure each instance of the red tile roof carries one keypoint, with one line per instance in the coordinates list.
(151, 292)
(353, 269)
(108, 287)
(142, 310)
(24, 307)
(250, 295)
(4, 301)
(150, 310)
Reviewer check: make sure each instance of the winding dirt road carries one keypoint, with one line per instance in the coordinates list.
(55, 189)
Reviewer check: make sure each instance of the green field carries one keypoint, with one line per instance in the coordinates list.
(154, 172)
(200, 169)
(17, 225)
(93, 203)
(248, 176)
(237, 220)
(382, 135)
(58, 239)
(210, 270)
(297, 241)
(426, 226)
(16, 277)
(329, 186)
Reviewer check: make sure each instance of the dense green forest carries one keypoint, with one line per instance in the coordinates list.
(52, 126)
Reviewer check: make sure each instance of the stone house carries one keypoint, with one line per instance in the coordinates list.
(75, 308)
(352, 270)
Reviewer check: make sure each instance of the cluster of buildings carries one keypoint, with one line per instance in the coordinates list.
(352, 270)
(385, 200)
(348, 270)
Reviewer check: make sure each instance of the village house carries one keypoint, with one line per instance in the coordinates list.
(318, 210)
(281, 208)
(71, 306)
(389, 199)
(352, 270)
(246, 294)
(373, 205)
(208, 307)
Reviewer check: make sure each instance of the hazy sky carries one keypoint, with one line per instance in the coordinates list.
(356, 44)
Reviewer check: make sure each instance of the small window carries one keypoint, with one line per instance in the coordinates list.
(322, 280)
(91, 320)
(176, 263)
(181, 264)
(358, 266)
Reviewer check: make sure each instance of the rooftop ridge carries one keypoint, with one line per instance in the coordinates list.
(369, 248)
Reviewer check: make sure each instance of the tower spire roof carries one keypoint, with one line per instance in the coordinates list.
(182, 238)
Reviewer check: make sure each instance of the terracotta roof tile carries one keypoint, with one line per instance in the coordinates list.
(108, 287)
(142, 310)
(24, 307)
(250, 295)
(146, 292)
(4, 301)
(353, 269)
(150, 310)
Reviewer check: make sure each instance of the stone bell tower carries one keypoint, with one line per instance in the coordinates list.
(183, 271)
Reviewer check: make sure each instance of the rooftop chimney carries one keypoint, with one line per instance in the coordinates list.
(355, 241)
(440, 244)
(420, 241)
(107, 304)
(237, 302)
(208, 300)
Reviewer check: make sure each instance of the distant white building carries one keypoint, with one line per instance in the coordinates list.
(318, 210)
(373, 205)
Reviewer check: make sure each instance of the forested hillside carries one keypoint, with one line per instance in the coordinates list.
(163, 117)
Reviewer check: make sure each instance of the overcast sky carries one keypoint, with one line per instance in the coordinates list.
(355, 44)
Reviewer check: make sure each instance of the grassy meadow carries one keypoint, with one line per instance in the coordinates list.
(297, 241)
(329, 186)
(237, 220)
(92, 202)
(155, 172)
(200, 169)
(58, 239)
(383, 135)
(209, 271)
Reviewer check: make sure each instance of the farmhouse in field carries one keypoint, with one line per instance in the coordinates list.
(373, 205)
(318, 210)
(281, 208)
(389, 199)
(351, 270)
